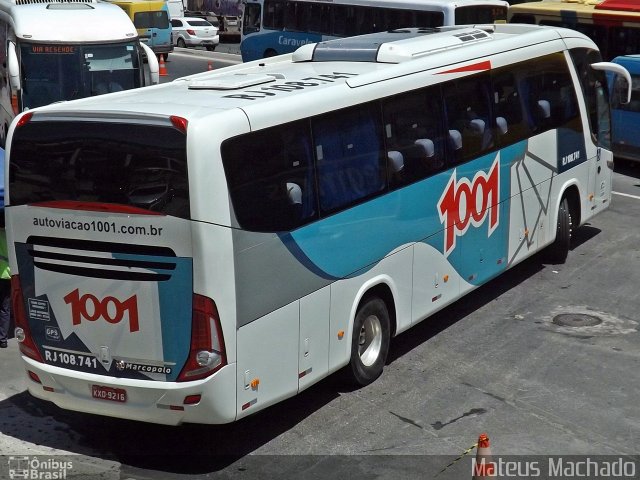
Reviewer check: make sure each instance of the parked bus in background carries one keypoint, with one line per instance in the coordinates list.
(264, 225)
(614, 25)
(54, 51)
(151, 18)
(625, 131)
(274, 27)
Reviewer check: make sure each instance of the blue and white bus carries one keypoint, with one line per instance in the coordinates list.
(199, 250)
(274, 27)
(625, 117)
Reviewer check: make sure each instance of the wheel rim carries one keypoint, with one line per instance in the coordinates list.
(370, 340)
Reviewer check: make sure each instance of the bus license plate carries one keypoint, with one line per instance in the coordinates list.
(109, 393)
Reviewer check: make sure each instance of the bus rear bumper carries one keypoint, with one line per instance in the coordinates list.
(146, 401)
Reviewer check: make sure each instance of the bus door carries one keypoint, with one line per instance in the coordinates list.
(597, 135)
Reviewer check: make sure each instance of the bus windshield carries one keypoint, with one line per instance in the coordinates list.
(55, 72)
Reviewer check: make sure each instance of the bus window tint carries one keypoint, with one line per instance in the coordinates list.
(552, 102)
(270, 177)
(512, 125)
(252, 18)
(414, 136)
(340, 13)
(273, 13)
(594, 87)
(623, 41)
(429, 19)
(468, 114)
(480, 14)
(159, 19)
(147, 165)
(350, 164)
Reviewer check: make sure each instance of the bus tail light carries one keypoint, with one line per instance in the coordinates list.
(23, 332)
(207, 352)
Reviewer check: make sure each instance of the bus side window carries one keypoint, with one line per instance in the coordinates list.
(508, 106)
(349, 156)
(552, 102)
(271, 178)
(274, 12)
(595, 93)
(414, 132)
(468, 111)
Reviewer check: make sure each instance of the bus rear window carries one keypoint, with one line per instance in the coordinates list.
(121, 163)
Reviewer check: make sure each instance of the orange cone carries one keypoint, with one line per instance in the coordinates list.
(163, 67)
(210, 66)
(483, 467)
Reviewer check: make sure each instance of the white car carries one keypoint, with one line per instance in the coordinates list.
(194, 32)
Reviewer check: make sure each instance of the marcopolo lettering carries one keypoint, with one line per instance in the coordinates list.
(465, 203)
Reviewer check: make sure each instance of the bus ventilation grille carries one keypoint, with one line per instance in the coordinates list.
(115, 261)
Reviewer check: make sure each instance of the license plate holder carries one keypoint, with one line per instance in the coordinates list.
(109, 394)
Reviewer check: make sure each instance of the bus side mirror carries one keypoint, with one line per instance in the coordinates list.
(152, 61)
(620, 74)
(14, 66)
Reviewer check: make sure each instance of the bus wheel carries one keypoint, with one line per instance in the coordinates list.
(370, 342)
(270, 52)
(559, 249)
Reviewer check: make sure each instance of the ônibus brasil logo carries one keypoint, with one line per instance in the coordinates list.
(465, 203)
(111, 309)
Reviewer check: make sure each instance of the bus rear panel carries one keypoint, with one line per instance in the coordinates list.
(105, 279)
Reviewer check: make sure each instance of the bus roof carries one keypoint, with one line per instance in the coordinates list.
(294, 81)
(68, 21)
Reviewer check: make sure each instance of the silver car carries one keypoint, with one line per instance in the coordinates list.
(194, 32)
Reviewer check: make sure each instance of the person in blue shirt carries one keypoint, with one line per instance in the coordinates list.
(5, 276)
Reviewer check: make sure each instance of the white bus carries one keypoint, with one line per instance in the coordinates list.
(274, 27)
(199, 250)
(61, 50)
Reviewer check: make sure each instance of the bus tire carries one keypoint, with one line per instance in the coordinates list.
(370, 342)
(559, 249)
(270, 52)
